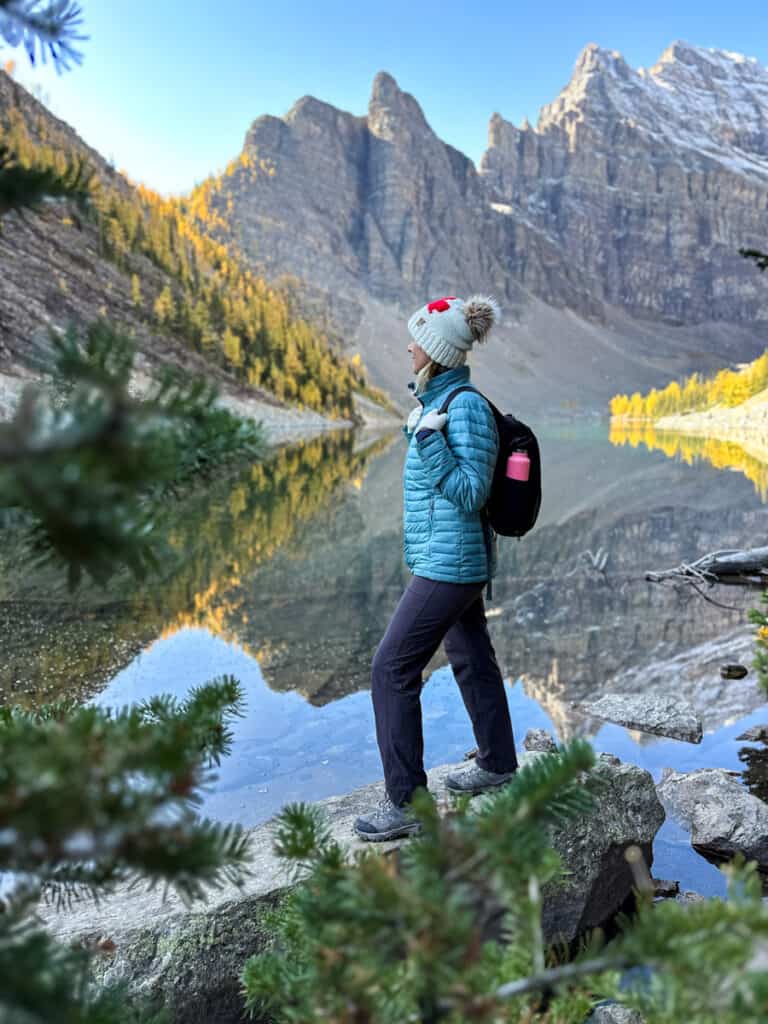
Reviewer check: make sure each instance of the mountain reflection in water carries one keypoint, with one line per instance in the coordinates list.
(287, 573)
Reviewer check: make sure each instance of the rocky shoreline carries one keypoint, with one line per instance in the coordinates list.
(188, 959)
(283, 423)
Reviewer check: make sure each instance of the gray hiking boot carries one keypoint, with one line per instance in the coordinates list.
(386, 822)
(475, 779)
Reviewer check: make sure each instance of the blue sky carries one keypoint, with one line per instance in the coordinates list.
(168, 89)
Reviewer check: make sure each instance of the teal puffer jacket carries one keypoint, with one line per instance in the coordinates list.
(446, 483)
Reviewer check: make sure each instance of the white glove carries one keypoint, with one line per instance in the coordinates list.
(414, 418)
(433, 420)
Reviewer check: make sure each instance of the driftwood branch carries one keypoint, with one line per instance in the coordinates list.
(748, 567)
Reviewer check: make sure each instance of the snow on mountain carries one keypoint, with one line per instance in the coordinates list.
(711, 103)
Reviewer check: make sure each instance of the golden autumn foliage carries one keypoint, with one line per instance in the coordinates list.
(210, 299)
(135, 290)
(727, 387)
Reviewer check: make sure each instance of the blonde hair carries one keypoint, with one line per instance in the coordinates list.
(427, 373)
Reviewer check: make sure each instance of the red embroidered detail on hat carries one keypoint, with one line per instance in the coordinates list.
(440, 305)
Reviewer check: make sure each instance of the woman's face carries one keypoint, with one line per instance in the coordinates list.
(418, 356)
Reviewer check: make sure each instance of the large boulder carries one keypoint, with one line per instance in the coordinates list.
(659, 714)
(723, 816)
(626, 812)
(189, 959)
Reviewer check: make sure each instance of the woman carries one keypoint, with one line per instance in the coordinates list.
(451, 554)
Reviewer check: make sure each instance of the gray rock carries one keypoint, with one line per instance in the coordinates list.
(689, 896)
(626, 813)
(614, 1013)
(733, 671)
(659, 714)
(189, 960)
(724, 817)
(665, 887)
(539, 739)
(756, 734)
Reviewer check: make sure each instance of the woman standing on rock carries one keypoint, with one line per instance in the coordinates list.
(451, 553)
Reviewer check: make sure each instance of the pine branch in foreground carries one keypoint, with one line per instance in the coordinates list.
(43, 982)
(52, 27)
(91, 465)
(708, 961)
(387, 939)
(391, 938)
(89, 798)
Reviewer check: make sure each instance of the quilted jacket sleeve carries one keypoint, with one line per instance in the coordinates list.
(459, 461)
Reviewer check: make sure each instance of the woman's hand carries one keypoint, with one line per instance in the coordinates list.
(433, 420)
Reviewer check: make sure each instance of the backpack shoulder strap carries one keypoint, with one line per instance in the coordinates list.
(452, 395)
(498, 416)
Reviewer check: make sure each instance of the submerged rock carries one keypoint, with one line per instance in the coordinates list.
(664, 887)
(724, 817)
(614, 1013)
(539, 739)
(733, 671)
(756, 734)
(189, 960)
(661, 715)
(689, 896)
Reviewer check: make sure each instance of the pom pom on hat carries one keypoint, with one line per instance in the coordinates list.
(481, 313)
(447, 328)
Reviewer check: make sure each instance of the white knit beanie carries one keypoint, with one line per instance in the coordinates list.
(447, 328)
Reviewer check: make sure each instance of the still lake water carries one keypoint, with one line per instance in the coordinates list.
(285, 575)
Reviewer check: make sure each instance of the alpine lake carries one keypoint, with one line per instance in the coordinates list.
(284, 573)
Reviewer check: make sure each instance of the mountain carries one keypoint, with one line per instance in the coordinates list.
(610, 231)
(140, 261)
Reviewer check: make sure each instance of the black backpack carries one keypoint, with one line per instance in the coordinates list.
(513, 505)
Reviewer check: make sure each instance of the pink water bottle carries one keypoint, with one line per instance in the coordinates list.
(518, 466)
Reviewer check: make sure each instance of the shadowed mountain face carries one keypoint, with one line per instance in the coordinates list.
(610, 231)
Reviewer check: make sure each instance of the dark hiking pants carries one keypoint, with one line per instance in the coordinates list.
(428, 612)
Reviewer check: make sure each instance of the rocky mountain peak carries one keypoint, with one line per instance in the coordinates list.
(393, 113)
(499, 131)
(311, 109)
(594, 58)
(702, 102)
(706, 62)
(600, 78)
(385, 89)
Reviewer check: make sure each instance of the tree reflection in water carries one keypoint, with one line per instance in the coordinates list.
(57, 644)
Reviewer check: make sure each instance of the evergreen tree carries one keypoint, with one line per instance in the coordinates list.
(88, 798)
